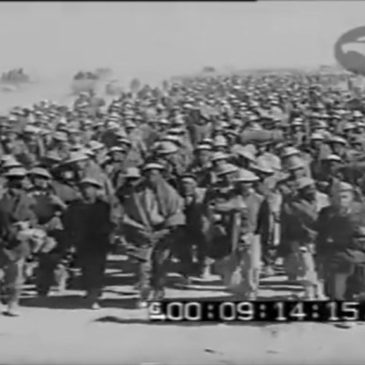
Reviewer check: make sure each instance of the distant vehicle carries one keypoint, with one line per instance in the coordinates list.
(87, 75)
(103, 72)
(84, 81)
(15, 77)
(209, 69)
(113, 88)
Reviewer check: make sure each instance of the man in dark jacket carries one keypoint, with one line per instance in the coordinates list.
(89, 225)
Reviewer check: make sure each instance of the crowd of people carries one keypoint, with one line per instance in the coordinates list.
(228, 175)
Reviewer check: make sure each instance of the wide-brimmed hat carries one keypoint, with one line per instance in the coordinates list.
(296, 163)
(203, 147)
(96, 145)
(348, 126)
(31, 129)
(246, 176)
(92, 182)
(220, 141)
(244, 152)
(130, 124)
(289, 151)
(332, 157)
(52, 156)
(133, 173)
(117, 149)
(188, 177)
(76, 157)
(338, 139)
(10, 161)
(357, 114)
(219, 156)
(176, 131)
(344, 187)
(60, 136)
(16, 172)
(41, 172)
(264, 167)
(227, 169)
(153, 166)
(173, 138)
(167, 147)
(124, 140)
(304, 182)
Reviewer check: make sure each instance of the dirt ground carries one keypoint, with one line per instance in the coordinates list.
(59, 330)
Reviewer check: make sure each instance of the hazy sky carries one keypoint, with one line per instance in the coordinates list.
(169, 38)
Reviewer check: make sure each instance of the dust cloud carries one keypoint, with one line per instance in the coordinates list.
(155, 40)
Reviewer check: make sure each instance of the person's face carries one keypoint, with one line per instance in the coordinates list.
(244, 187)
(75, 138)
(16, 184)
(11, 136)
(203, 156)
(133, 181)
(168, 156)
(67, 175)
(118, 156)
(349, 133)
(358, 146)
(160, 127)
(298, 173)
(337, 148)
(309, 193)
(331, 166)
(297, 129)
(60, 144)
(228, 179)
(188, 187)
(89, 192)
(261, 148)
(129, 130)
(220, 149)
(219, 163)
(244, 162)
(153, 176)
(40, 182)
(100, 155)
(30, 137)
(80, 165)
(345, 199)
(316, 143)
(265, 184)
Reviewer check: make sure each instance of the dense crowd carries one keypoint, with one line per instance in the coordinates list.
(223, 174)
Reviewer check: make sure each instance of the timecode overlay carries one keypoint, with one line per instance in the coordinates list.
(258, 311)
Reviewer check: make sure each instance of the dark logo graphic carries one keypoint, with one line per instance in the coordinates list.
(350, 50)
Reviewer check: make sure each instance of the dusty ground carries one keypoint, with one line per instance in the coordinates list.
(59, 331)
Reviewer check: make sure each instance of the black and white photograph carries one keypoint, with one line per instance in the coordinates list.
(182, 183)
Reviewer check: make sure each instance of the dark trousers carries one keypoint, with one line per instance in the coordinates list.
(188, 241)
(51, 270)
(93, 265)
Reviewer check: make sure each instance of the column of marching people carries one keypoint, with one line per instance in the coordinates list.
(241, 177)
